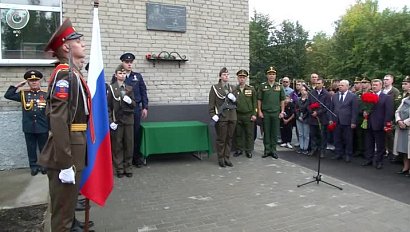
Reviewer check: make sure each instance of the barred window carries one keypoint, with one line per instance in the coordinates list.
(26, 26)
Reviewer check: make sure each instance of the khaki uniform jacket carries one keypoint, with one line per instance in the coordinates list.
(246, 102)
(217, 97)
(119, 111)
(271, 97)
(67, 104)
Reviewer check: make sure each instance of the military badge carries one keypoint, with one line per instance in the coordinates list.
(61, 89)
(277, 88)
(248, 92)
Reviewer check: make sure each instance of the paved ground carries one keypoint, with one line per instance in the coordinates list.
(181, 193)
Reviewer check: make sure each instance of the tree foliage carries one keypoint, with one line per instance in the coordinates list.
(366, 41)
(282, 48)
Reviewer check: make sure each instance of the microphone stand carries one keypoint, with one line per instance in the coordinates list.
(318, 177)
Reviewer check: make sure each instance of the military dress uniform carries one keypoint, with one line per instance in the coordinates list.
(122, 138)
(68, 110)
(271, 98)
(220, 105)
(35, 125)
(135, 80)
(246, 108)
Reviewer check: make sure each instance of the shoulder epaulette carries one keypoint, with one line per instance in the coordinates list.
(60, 67)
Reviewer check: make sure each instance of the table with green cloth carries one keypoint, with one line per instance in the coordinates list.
(174, 137)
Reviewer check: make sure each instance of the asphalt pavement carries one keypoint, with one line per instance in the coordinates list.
(177, 192)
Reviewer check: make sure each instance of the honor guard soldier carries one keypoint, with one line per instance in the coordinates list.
(35, 126)
(68, 110)
(121, 105)
(271, 107)
(135, 80)
(222, 109)
(246, 114)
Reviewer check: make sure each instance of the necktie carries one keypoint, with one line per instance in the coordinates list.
(341, 97)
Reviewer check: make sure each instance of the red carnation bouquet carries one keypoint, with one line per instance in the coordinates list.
(369, 99)
(331, 127)
(314, 106)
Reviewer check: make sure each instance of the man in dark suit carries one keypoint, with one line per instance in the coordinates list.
(344, 105)
(379, 117)
(318, 118)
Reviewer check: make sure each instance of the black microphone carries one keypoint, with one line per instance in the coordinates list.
(307, 87)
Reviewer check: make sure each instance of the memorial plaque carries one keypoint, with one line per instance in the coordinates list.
(162, 17)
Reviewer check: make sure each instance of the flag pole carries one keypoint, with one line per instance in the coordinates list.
(87, 201)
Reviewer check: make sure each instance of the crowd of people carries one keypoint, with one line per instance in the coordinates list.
(369, 118)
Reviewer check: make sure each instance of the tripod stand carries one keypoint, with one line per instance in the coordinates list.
(318, 177)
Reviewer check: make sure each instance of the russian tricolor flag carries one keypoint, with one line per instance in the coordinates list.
(97, 179)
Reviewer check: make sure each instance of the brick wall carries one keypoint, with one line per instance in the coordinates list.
(217, 35)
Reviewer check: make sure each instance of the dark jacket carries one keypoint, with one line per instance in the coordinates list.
(301, 110)
(34, 108)
(140, 89)
(346, 111)
(322, 114)
(381, 113)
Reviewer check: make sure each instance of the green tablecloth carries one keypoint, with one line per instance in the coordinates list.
(174, 137)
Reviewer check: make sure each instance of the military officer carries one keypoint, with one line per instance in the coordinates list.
(121, 105)
(222, 109)
(246, 114)
(358, 142)
(68, 110)
(271, 107)
(357, 85)
(135, 80)
(35, 126)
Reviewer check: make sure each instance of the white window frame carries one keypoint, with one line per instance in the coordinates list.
(25, 62)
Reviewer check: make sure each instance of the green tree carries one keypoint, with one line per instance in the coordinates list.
(319, 56)
(289, 49)
(367, 41)
(259, 42)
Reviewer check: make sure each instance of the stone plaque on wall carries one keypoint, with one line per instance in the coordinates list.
(163, 17)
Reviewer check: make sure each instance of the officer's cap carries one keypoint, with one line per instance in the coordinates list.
(120, 68)
(223, 70)
(366, 80)
(65, 32)
(33, 75)
(357, 80)
(127, 56)
(407, 79)
(271, 70)
(242, 72)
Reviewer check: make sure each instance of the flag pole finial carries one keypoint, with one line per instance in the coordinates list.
(96, 3)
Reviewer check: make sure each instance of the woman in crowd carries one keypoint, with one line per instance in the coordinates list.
(302, 121)
(402, 132)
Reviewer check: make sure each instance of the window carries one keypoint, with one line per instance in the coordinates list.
(26, 26)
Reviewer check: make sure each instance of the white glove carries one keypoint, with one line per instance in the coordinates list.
(127, 99)
(232, 97)
(113, 126)
(215, 118)
(67, 176)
